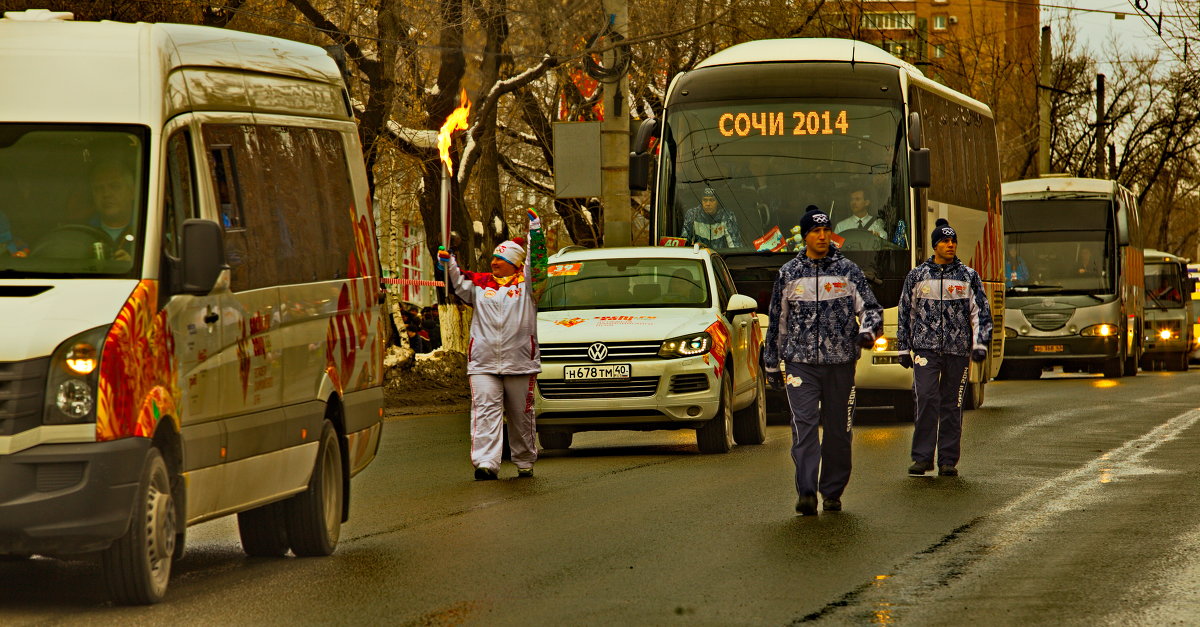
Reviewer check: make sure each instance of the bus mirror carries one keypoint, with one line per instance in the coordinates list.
(918, 168)
(914, 131)
(647, 131)
(639, 171)
(1122, 226)
(203, 256)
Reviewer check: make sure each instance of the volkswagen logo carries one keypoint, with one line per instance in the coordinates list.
(597, 352)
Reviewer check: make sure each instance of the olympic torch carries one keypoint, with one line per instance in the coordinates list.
(457, 120)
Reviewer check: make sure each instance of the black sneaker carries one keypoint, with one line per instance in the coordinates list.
(947, 471)
(918, 469)
(831, 505)
(807, 505)
(524, 473)
(485, 474)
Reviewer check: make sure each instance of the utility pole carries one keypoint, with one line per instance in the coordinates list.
(1043, 99)
(614, 140)
(1101, 131)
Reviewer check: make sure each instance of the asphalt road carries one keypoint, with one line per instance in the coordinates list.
(1076, 505)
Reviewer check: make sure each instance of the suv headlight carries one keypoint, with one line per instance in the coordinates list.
(1099, 330)
(74, 377)
(686, 346)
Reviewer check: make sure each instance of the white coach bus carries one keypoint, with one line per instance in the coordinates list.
(189, 294)
(773, 126)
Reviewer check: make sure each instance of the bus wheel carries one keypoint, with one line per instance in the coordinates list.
(314, 517)
(1180, 362)
(137, 566)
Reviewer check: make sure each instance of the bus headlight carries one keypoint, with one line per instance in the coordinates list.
(74, 378)
(1165, 334)
(1099, 330)
(686, 346)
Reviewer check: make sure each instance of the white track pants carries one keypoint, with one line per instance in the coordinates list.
(493, 397)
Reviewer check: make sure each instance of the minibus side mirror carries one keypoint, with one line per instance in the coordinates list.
(203, 256)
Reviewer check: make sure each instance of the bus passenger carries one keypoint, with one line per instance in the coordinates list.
(822, 313)
(10, 245)
(710, 224)
(944, 323)
(861, 218)
(758, 194)
(1015, 270)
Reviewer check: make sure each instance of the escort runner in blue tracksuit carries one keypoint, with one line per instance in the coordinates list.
(945, 322)
(822, 313)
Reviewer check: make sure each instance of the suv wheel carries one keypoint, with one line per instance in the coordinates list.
(716, 436)
(750, 423)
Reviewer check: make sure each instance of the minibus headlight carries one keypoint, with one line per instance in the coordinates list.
(1099, 330)
(73, 378)
(686, 346)
(884, 343)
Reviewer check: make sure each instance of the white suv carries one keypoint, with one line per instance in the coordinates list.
(648, 338)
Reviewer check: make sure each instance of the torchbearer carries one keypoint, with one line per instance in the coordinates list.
(945, 323)
(503, 359)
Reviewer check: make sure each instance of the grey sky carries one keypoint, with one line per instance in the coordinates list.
(1134, 33)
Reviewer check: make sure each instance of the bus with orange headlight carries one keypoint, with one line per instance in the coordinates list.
(765, 129)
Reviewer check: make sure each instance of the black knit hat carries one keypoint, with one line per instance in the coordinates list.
(812, 219)
(942, 231)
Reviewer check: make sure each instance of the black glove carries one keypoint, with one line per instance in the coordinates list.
(866, 340)
(905, 360)
(775, 380)
(978, 355)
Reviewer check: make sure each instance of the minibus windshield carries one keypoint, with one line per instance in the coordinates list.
(72, 199)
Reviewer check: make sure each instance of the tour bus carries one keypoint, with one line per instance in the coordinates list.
(189, 289)
(771, 127)
(1170, 336)
(1074, 277)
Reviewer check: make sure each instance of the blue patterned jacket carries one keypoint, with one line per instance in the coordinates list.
(818, 308)
(943, 309)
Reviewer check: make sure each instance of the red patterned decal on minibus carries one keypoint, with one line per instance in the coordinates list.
(138, 375)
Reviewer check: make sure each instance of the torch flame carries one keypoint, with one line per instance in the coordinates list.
(456, 121)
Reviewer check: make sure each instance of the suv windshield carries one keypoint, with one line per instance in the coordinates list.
(616, 283)
(71, 199)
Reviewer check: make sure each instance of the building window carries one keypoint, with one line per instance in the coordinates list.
(889, 21)
(898, 48)
(939, 51)
(939, 22)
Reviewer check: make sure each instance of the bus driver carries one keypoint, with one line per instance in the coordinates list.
(710, 224)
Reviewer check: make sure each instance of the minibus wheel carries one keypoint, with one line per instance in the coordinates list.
(314, 517)
(137, 567)
(263, 531)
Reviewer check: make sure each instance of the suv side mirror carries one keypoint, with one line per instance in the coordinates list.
(741, 304)
(203, 256)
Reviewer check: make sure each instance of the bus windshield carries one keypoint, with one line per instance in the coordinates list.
(71, 199)
(1071, 252)
(738, 175)
(1163, 283)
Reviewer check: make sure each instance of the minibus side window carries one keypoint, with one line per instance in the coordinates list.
(225, 179)
(179, 196)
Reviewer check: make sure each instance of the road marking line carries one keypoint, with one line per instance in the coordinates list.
(987, 537)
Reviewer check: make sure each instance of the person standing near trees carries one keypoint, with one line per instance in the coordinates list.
(822, 314)
(945, 322)
(503, 359)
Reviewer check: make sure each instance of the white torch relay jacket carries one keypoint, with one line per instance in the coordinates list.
(504, 326)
